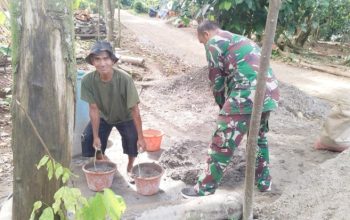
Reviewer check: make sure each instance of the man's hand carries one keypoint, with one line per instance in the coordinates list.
(141, 145)
(97, 143)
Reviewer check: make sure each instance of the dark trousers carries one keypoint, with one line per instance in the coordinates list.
(126, 129)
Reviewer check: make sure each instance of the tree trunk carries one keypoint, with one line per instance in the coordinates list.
(270, 29)
(44, 74)
(108, 6)
(118, 39)
(304, 35)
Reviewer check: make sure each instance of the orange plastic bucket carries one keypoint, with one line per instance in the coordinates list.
(153, 139)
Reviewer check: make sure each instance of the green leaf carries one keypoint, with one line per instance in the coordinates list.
(226, 5)
(61, 214)
(95, 209)
(37, 205)
(43, 161)
(75, 192)
(5, 50)
(238, 2)
(66, 175)
(47, 214)
(69, 200)
(83, 201)
(56, 205)
(59, 171)
(49, 167)
(115, 205)
(2, 18)
(249, 3)
(76, 4)
(59, 193)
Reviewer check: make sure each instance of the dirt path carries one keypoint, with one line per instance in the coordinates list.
(156, 32)
(184, 44)
(181, 106)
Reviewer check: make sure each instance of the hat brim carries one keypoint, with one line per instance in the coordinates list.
(114, 58)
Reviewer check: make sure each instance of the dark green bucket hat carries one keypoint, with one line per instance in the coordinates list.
(99, 47)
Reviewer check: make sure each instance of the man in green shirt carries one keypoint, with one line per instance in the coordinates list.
(113, 102)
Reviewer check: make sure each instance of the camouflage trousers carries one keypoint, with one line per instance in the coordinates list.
(226, 138)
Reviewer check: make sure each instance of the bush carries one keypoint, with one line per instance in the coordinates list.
(139, 7)
(126, 2)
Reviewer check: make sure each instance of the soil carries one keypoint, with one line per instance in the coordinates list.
(176, 98)
(321, 193)
(5, 137)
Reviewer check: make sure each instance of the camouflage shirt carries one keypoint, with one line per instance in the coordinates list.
(233, 67)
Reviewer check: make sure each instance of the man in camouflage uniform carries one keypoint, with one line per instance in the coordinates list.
(233, 67)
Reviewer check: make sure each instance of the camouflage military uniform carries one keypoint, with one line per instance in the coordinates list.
(233, 67)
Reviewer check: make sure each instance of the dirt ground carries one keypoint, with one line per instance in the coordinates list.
(175, 98)
(5, 137)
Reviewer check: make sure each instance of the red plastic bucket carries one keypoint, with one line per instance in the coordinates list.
(147, 178)
(153, 139)
(101, 178)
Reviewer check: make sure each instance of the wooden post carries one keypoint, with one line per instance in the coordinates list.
(270, 30)
(118, 39)
(109, 18)
(44, 73)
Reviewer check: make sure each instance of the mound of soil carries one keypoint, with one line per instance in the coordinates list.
(184, 160)
(300, 104)
(321, 193)
(292, 99)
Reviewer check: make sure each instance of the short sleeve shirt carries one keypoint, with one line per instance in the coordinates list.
(114, 98)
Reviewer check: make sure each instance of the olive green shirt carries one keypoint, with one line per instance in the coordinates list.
(114, 98)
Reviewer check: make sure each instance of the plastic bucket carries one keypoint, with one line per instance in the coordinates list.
(147, 178)
(81, 116)
(100, 178)
(153, 139)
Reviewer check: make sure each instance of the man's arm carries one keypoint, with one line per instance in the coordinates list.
(95, 122)
(216, 75)
(135, 112)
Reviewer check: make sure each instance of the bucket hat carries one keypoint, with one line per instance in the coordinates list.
(99, 47)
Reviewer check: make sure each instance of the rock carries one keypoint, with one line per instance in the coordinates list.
(6, 210)
(4, 134)
(300, 115)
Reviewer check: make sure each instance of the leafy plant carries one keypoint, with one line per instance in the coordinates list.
(186, 21)
(92, 5)
(126, 2)
(139, 7)
(76, 4)
(2, 18)
(69, 201)
(5, 50)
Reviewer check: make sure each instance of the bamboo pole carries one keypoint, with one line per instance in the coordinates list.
(270, 30)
